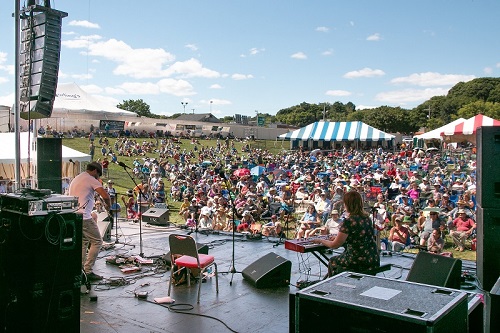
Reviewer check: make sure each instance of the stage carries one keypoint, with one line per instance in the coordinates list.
(114, 306)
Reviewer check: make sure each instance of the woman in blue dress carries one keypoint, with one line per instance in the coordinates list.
(309, 221)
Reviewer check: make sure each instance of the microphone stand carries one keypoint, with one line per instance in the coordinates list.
(114, 218)
(232, 268)
(141, 197)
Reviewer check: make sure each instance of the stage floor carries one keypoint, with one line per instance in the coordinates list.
(238, 307)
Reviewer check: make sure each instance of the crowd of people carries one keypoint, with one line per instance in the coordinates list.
(411, 197)
(219, 189)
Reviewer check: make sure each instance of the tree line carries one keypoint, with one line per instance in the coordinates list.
(464, 100)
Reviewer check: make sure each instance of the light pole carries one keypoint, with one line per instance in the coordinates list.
(211, 106)
(192, 110)
(428, 109)
(184, 105)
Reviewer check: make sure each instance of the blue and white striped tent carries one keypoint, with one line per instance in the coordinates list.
(337, 131)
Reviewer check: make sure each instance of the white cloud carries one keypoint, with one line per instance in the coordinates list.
(299, 55)
(238, 76)
(488, 70)
(3, 80)
(338, 93)
(322, 29)
(254, 50)
(374, 38)
(176, 87)
(192, 47)
(84, 24)
(190, 68)
(7, 100)
(328, 52)
(401, 97)
(82, 76)
(432, 79)
(365, 72)
(81, 41)
(215, 86)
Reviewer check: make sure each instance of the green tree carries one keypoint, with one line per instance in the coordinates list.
(138, 106)
(489, 109)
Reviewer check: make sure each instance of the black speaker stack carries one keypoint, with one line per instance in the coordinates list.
(39, 60)
(49, 164)
(488, 206)
(40, 264)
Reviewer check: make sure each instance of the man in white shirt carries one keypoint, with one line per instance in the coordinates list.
(83, 186)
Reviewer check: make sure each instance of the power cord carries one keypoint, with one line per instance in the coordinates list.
(182, 308)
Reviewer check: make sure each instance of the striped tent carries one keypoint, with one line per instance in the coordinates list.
(466, 130)
(337, 131)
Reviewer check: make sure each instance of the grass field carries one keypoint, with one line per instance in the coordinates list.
(122, 181)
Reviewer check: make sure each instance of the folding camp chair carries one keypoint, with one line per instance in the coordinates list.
(184, 254)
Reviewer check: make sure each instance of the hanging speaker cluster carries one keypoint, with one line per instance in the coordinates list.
(39, 60)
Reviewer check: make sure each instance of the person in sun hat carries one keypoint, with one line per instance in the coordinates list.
(463, 227)
(84, 186)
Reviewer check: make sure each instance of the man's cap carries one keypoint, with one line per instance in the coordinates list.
(335, 211)
(110, 182)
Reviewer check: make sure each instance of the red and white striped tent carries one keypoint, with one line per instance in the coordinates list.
(466, 130)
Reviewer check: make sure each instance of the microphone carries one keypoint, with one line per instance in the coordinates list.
(123, 165)
(71, 161)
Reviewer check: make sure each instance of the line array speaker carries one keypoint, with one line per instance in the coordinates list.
(39, 61)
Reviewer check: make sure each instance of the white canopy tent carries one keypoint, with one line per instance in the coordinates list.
(436, 133)
(70, 97)
(7, 157)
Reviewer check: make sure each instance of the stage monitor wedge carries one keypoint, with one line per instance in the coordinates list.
(269, 271)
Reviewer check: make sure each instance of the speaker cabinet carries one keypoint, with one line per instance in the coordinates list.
(269, 271)
(436, 270)
(488, 246)
(493, 308)
(352, 302)
(49, 164)
(156, 216)
(40, 272)
(488, 177)
(39, 62)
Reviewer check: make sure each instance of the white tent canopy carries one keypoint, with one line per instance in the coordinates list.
(7, 153)
(70, 97)
(7, 157)
(436, 133)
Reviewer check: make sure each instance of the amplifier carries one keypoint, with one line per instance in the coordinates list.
(34, 203)
(156, 216)
(362, 303)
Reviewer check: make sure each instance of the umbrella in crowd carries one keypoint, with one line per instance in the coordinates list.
(241, 172)
(257, 170)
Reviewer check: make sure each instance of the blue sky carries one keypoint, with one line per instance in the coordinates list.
(239, 57)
